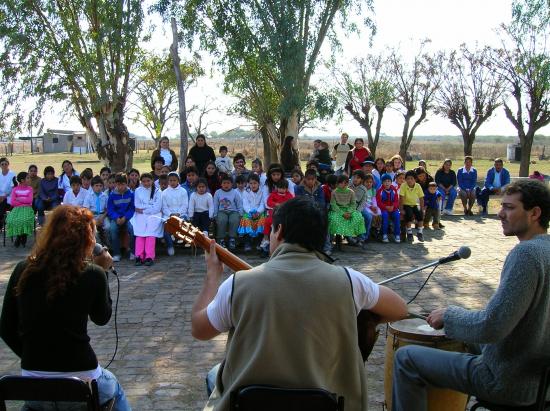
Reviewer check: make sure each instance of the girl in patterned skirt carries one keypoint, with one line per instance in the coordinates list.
(253, 219)
(20, 221)
(343, 218)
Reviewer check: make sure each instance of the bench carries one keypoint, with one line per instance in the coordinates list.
(481, 183)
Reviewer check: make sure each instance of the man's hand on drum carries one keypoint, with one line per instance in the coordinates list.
(435, 319)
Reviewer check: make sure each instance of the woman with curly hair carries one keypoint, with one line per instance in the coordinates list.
(48, 300)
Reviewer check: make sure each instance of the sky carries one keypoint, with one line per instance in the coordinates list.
(400, 23)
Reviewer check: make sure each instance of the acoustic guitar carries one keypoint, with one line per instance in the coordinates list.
(366, 320)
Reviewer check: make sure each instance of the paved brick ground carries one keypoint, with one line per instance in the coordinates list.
(161, 367)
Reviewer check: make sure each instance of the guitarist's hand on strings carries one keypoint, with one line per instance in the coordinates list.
(435, 319)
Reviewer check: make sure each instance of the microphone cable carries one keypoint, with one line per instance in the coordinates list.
(423, 285)
(116, 310)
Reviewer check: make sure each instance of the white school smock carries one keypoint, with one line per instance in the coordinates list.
(174, 201)
(148, 223)
(70, 199)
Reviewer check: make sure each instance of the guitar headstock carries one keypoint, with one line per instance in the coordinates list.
(185, 231)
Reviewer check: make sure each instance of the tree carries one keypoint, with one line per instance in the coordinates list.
(470, 92)
(415, 86)
(526, 70)
(366, 91)
(156, 91)
(280, 41)
(80, 52)
(200, 115)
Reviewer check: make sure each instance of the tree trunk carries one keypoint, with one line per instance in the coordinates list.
(270, 138)
(380, 116)
(468, 140)
(526, 146)
(404, 145)
(114, 140)
(184, 128)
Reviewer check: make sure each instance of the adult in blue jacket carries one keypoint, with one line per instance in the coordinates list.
(467, 183)
(497, 178)
(120, 209)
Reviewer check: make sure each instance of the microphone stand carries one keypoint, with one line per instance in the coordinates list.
(414, 270)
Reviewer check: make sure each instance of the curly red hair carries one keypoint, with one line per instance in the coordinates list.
(61, 250)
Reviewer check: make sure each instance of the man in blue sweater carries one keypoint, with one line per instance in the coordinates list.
(120, 209)
(495, 182)
(513, 330)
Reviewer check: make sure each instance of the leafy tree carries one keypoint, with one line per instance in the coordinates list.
(366, 91)
(526, 70)
(278, 40)
(78, 52)
(470, 92)
(415, 87)
(156, 91)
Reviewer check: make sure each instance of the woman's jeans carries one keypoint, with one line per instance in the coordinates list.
(108, 388)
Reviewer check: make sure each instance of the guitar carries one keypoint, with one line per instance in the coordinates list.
(366, 321)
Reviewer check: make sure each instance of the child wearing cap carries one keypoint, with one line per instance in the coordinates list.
(388, 202)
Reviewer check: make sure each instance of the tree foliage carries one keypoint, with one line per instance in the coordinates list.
(80, 52)
(470, 92)
(156, 91)
(366, 91)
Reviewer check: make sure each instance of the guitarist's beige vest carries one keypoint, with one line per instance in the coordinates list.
(294, 326)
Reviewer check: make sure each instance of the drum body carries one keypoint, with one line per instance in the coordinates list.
(417, 332)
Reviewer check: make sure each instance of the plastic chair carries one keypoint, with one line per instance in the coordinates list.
(269, 398)
(540, 405)
(18, 388)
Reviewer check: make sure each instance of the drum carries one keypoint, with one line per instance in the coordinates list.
(416, 331)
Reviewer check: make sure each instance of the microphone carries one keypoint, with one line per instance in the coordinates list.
(462, 252)
(98, 250)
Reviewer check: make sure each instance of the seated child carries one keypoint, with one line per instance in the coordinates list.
(358, 187)
(120, 209)
(162, 182)
(224, 162)
(105, 173)
(329, 187)
(278, 196)
(48, 197)
(432, 206)
(410, 194)
(228, 209)
(133, 179)
(191, 178)
(323, 156)
(388, 202)
(389, 170)
(201, 207)
(212, 177)
(253, 219)
(240, 184)
(311, 188)
(76, 195)
(111, 184)
(371, 206)
(86, 176)
(174, 203)
(96, 202)
(147, 219)
(399, 180)
(296, 177)
(258, 169)
(20, 221)
(343, 217)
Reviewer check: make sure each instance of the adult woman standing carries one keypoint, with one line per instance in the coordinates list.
(446, 183)
(202, 153)
(356, 156)
(49, 298)
(289, 156)
(164, 151)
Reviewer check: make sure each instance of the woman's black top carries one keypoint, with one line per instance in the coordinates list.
(289, 160)
(445, 179)
(202, 155)
(52, 335)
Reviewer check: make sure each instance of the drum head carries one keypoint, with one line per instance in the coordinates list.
(416, 329)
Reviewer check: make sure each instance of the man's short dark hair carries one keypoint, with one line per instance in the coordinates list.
(533, 193)
(121, 178)
(303, 222)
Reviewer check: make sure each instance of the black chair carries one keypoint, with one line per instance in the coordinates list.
(540, 405)
(18, 388)
(269, 398)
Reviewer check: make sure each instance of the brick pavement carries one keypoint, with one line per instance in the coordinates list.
(160, 365)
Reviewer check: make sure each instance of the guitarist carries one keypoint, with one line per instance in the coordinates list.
(292, 320)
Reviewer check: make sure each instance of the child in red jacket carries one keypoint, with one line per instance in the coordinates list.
(279, 196)
(388, 202)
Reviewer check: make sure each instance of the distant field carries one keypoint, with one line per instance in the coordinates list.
(20, 162)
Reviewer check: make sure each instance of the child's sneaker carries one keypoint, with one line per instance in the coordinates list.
(397, 239)
(386, 240)
(435, 226)
(138, 261)
(148, 262)
(171, 251)
(420, 237)
(410, 237)
(232, 244)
